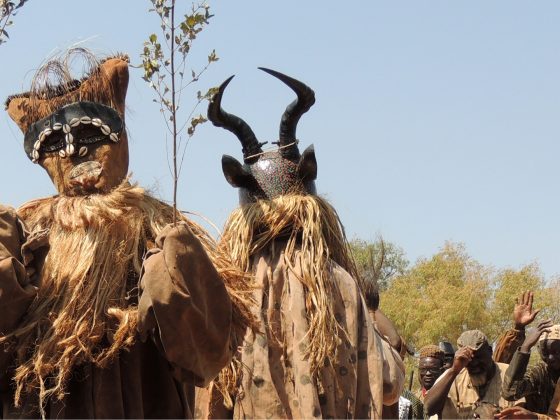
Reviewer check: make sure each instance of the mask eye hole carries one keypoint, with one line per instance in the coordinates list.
(88, 135)
(53, 143)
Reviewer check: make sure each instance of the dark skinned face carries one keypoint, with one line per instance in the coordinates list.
(550, 353)
(429, 369)
(482, 362)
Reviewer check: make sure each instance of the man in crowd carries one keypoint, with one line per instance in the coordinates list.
(472, 385)
(430, 368)
(538, 382)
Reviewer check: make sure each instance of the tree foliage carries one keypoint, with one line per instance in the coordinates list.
(508, 284)
(439, 297)
(379, 261)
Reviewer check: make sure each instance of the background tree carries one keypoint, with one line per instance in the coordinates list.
(508, 285)
(379, 261)
(439, 297)
(551, 300)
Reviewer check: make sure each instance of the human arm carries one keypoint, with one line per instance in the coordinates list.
(387, 329)
(511, 340)
(434, 400)
(184, 306)
(517, 381)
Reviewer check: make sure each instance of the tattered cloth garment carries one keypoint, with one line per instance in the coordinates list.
(295, 246)
(277, 381)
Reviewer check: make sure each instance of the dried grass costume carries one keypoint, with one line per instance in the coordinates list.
(315, 353)
(106, 310)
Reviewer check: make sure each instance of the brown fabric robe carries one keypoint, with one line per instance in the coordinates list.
(184, 317)
(276, 378)
(507, 344)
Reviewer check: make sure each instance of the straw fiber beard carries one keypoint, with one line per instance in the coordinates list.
(311, 225)
(82, 313)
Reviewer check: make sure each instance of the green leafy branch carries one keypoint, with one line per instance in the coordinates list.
(164, 61)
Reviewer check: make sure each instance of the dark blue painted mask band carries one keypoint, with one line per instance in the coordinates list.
(69, 129)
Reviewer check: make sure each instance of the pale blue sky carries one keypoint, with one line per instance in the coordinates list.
(434, 120)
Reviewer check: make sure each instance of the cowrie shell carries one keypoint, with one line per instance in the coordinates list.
(83, 151)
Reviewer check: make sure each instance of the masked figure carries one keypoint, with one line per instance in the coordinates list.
(106, 310)
(315, 353)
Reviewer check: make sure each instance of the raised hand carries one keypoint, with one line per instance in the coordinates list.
(531, 339)
(523, 313)
(463, 357)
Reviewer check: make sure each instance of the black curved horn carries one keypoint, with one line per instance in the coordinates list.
(290, 118)
(236, 125)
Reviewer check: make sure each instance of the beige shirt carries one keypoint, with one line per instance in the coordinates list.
(463, 398)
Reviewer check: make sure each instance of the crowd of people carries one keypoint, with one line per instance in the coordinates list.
(479, 381)
(114, 305)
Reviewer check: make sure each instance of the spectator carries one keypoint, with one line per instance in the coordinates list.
(472, 386)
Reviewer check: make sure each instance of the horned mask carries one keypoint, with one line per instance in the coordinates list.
(268, 174)
(73, 128)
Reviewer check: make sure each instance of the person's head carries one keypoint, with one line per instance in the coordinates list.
(74, 128)
(430, 365)
(482, 366)
(448, 352)
(549, 347)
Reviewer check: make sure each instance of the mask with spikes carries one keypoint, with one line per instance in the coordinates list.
(268, 174)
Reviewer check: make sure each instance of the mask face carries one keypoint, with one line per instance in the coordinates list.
(100, 168)
(272, 175)
(75, 129)
(269, 174)
(82, 146)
